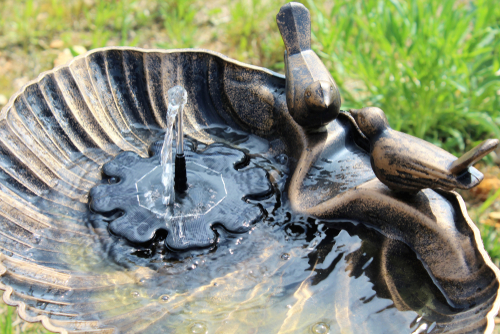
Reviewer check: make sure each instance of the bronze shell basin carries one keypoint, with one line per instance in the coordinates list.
(336, 251)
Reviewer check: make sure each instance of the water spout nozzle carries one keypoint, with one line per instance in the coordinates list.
(180, 176)
(180, 131)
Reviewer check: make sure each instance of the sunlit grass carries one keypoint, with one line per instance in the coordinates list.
(11, 324)
(432, 66)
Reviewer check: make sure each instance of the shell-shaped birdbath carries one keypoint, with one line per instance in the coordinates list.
(283, 226)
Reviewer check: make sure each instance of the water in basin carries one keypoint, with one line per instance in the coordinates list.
(287, 274)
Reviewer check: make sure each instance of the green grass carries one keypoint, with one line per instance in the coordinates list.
(430, 65)
(178, 22)
(433, 66)
(6, 321)
(11, 324)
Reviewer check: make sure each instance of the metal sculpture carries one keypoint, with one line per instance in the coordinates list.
(409, 164)
(312, 96)
(334, 249)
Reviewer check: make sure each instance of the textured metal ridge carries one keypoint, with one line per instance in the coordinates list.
(130, 48)
(45, 167)
(477, 235)
(21, 307)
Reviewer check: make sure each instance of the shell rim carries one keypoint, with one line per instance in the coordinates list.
(490, 317)
(46, 321)
(9, 104)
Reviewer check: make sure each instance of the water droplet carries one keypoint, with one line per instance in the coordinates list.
(112, 180)
(164, 298)
(216, 284)
(320, 328)
(431, 327)
(135, 294)
(285, 256)
(198, 329)
(282, 159)
(142, 281)
(289, 306)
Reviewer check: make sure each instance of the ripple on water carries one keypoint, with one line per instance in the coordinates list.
(288, 274)
(320, 328)
(198, 328)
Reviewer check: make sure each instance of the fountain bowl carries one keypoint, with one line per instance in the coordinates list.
(428, 267)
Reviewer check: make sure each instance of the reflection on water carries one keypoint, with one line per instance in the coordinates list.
(288, 274)
(272, 280)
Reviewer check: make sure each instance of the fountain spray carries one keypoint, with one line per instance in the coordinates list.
(177, 99)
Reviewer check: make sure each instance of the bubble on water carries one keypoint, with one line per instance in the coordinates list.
(282, 159)
(164, 298)
(285, 256)
(289, 306)
(135, 294)
(198, 329)
(142, 281)
(320, 328)
(112, 180)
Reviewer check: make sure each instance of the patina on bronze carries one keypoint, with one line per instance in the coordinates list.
(312, 96)
(409, 164)
(420, 251)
